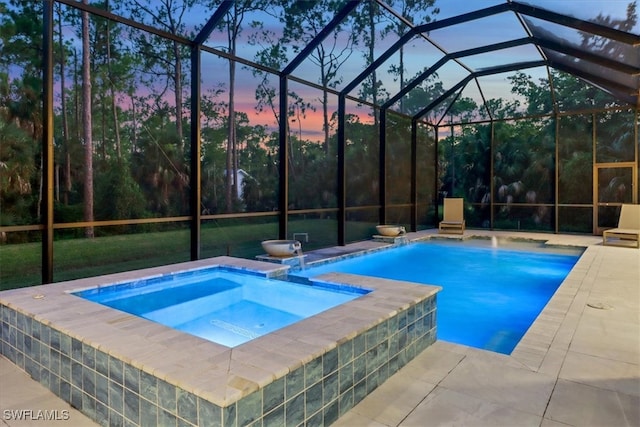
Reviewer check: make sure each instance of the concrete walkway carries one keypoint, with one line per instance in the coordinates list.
(24, 402)
(579, 365)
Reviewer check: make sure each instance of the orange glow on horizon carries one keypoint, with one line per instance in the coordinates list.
(308, 127)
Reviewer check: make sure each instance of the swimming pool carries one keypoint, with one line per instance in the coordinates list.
(491, 293)
(221, 305)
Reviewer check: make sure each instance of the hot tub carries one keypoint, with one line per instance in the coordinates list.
(222, 305)
(120, 368)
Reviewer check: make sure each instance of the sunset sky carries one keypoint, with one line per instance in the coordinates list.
(419, 55)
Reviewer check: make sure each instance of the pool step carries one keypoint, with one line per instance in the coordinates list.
(394, 240)
(293, 261)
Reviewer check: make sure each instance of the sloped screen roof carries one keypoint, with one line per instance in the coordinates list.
(467, 50)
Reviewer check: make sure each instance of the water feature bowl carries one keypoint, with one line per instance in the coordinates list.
(282, 248)
(390, 230)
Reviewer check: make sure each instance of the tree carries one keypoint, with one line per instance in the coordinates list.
(303, 22)
(16, 174)
(158, 162)
(87, 134)
(21, 78)
(362, 148)
(164, 58)
(113, 68)
(613, 49)
(462, 109)
(429, 89)
(365, 26)
(233, 26)
(272, 54)
(416, 12)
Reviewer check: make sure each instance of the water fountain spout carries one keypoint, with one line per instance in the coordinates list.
(283, 252)
(298, 252)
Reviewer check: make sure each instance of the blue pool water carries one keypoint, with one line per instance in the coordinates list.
(490, 295)
(223, 306)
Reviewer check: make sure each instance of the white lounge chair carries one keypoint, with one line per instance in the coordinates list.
(628, 229)
(453, 216)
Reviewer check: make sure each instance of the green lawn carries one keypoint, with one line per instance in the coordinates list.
(20, 264)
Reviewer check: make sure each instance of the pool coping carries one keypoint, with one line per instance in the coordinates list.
(220, 374)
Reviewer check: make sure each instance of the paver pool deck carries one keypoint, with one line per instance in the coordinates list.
(578, 365)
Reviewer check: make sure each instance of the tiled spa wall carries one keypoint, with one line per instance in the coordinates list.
(115, 393)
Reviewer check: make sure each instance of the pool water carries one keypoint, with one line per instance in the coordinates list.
(222, 306)
(491, 295)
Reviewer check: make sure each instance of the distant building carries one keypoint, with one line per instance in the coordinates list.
(241, 175)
